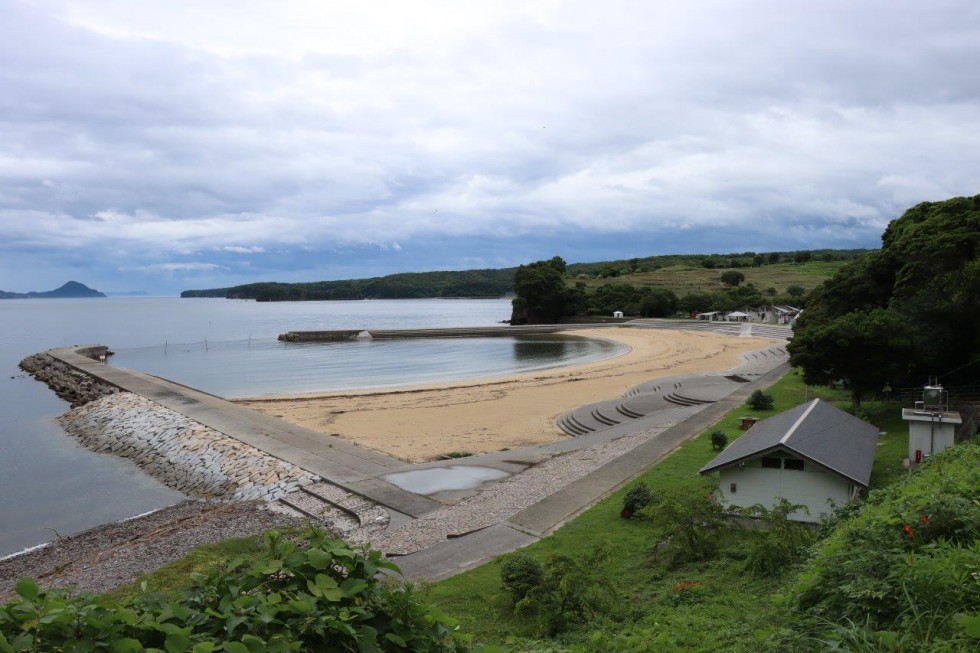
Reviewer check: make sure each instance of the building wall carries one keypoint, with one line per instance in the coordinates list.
(922, 436)
(812, 487)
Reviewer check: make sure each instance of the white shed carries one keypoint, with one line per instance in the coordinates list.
(617, 314)
(815, 455)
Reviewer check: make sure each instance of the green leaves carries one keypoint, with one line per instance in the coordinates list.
(907, 558)
(26, 588)
(325, 597)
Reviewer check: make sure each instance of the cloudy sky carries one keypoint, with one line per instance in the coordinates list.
(159, 145)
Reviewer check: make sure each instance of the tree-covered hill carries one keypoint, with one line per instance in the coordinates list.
(904, 313)
(409, 285)
(678, 273)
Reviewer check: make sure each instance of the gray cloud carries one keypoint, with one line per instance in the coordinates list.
(165, 136)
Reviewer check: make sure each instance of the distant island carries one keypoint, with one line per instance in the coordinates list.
(71, 290)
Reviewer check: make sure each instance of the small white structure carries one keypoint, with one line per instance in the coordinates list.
(617, 314)
(710, 315)
(814, 455)
(932, 426)
(737, 316)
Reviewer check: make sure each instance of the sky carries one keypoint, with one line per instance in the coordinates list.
(158, 146)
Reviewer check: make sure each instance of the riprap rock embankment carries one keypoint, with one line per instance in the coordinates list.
(74, 386)
(182, 453)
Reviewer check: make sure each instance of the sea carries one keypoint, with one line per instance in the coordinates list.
(52, 487)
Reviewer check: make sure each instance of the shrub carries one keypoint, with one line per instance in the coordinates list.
(694, 520)
(760, 400)
(520, 573)
(718, 440)
(573, 587)
(732, 277)
(323, 597)
(782, 544)
(636, 498)
(907, 559)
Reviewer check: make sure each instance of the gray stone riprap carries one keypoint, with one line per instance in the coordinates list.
(180, 452)
(70, 384)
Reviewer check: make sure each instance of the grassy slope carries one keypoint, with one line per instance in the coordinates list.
(732, 608)
(683, 279)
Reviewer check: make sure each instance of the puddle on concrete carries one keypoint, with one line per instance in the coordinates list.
(439, 479)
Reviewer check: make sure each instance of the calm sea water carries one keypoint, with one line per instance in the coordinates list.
(49, 485)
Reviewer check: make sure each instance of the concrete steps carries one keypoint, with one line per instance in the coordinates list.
(645, 399)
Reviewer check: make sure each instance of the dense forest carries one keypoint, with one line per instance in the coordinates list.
(905, 312)
(500, 282)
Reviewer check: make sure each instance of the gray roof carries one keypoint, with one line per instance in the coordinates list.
(816, 431)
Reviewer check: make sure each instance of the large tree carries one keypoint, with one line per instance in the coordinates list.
(866, 349)
(925, 277)
(541, 292)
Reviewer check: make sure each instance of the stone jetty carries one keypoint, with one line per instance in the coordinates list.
(184, 454)
(72, 385)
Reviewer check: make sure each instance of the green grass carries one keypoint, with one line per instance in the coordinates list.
(732, 610)
(683, 279)
(176, 575)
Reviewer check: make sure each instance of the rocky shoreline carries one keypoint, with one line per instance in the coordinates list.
(109, 556)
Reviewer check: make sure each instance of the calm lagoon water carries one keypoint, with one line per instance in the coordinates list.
(49, 485)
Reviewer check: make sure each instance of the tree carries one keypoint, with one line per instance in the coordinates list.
(866, 349)
(658, 302)
(732, 277)
(541, 294)
(695, 302)
(796, 291)
(926, 278)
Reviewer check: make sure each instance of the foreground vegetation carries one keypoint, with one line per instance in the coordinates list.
(319, 597)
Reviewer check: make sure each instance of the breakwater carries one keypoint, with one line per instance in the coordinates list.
(182, 453)
(71, 384)
(458, 332)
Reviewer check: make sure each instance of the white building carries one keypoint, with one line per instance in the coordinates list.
(814, 455)
(932, 427)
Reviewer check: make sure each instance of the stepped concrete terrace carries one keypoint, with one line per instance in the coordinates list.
(666, 412)
(689, 390)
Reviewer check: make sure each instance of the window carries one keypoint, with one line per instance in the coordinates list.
(793, 463)
(771, 462)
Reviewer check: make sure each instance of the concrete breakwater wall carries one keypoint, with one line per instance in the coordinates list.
(72, 385)
(451, 332)
(180, 452)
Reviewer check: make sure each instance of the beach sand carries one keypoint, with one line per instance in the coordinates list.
(479, 416)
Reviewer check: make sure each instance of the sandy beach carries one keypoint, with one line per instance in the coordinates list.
(478, 416)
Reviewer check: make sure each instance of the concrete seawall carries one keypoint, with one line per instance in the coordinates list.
(207, 446)
(182, 453)
(458, 332)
